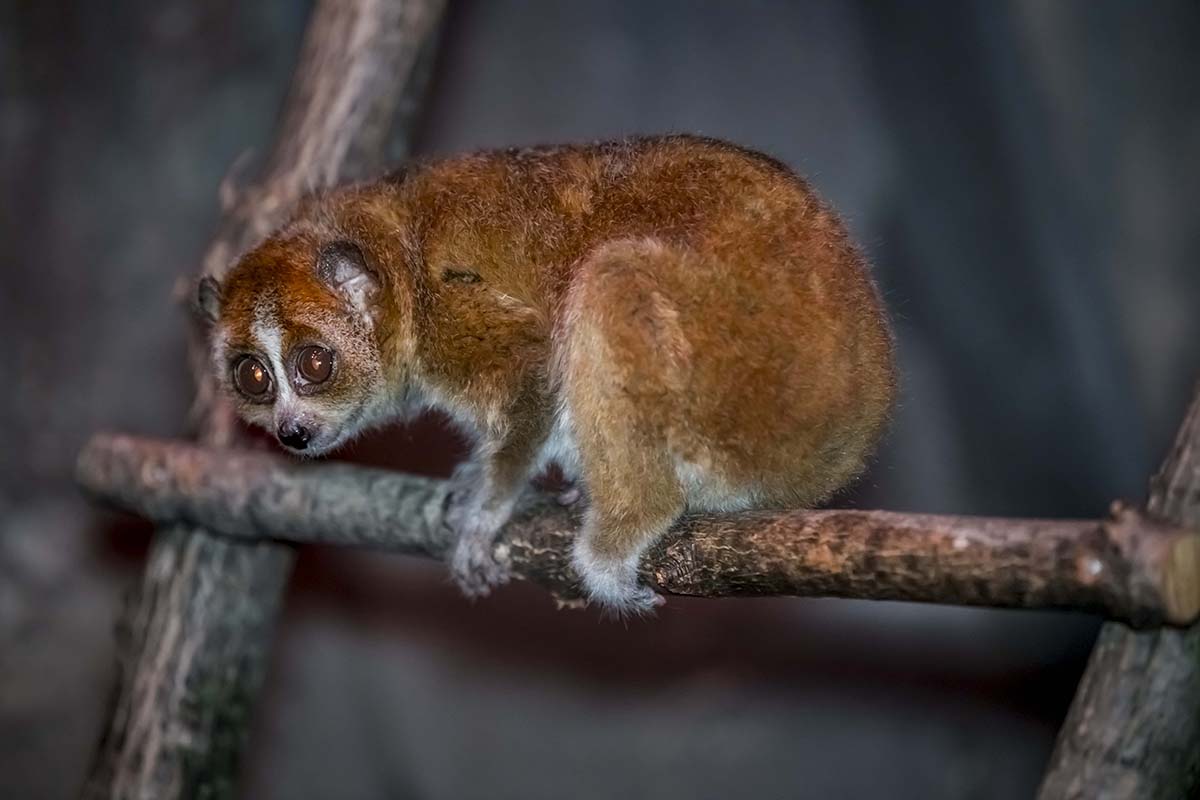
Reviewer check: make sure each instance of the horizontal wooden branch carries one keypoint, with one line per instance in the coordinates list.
(1127, 567)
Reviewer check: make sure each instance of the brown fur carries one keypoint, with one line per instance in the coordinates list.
(702, 317)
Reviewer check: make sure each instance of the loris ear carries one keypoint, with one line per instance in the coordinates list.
(208, 299)
(342, 267)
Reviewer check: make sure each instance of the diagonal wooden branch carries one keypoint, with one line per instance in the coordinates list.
(1133, 730)
(1127, 567)
(362, 67)
(193, 643)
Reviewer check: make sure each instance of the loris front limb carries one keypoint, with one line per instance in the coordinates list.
(485, 489)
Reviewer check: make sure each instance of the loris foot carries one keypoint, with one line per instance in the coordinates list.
(475, 522)
(474, 564)
(612, 583)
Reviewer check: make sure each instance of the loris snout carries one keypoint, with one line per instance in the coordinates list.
(678, 322)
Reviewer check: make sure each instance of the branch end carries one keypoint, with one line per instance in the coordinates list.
(1181, 581)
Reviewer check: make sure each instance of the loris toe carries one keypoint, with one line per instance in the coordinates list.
(569, 496)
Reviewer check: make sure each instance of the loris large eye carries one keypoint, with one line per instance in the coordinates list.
(315, 364)
(251, 377)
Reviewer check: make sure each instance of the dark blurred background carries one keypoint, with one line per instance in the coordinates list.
(1024, 176)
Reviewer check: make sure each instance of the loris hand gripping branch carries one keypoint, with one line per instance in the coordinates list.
(679, 323)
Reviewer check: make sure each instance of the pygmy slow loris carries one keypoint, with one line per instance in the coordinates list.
(676, 321)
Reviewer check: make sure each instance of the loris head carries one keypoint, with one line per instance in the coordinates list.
(293, 339)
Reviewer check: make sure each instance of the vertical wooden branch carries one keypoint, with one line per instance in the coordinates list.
(193, 645)
(1133, 730)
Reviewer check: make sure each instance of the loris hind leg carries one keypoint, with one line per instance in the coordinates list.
(623, 518)
(622, 360)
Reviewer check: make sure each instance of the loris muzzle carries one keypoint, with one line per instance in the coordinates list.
(678, 322)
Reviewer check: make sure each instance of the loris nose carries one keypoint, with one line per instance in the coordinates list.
(293, 435)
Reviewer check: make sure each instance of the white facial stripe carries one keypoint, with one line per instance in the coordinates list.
(266, 331)
(220, 344)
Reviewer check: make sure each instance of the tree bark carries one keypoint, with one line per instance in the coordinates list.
(1133, 730)
(1126, 567)
(193, 644)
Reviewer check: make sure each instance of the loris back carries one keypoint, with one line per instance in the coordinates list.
(678, 322)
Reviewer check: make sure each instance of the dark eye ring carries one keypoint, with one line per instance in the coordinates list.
(251, 377)
(315, 364)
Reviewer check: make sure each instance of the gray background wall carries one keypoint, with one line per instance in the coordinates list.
(1024, 177)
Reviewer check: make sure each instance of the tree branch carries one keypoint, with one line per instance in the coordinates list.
(1127, 567)
(1133, 730)
(193, 644)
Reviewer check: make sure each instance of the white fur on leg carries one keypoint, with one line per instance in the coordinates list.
(612, 583)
